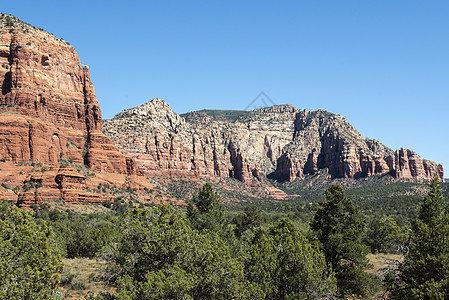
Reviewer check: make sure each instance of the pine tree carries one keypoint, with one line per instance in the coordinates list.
(205, 211)
(252, 216)
(385, 235)
(339, 227)
(424, 273)
(287, 266)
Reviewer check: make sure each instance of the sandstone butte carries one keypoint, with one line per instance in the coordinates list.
(51, 142)
(279, 141)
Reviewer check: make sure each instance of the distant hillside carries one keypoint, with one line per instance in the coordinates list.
(280, 142)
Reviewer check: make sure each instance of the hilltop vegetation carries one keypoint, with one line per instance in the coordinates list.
(219, 115)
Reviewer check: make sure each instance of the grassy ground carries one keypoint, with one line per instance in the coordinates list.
(80, 276)
(383, 263)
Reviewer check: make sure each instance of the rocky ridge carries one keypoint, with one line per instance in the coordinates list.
(49, 116)
(279, 141)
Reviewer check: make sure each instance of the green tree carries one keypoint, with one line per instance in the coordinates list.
(286, 265)
(76, 234)
(157, 248)
(30, 265)
(339, 227)
(385, 235)
(424, 273)
(205, 211)
(252, 216)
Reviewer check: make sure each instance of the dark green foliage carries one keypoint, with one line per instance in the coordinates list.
(252, 217)
(374, 194)
(339, 227)
(385, 235)
(120, 206)
(77, 235)
(286, 265)
(158, 256)
(445, 188)
(205, 211)
(424, 273)
(9, 22)
(170, 283)
(30, 265)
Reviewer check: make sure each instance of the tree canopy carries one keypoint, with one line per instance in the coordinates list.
(385, 235)
(157, 247)
(287, 266)
(339, 228)
(424, 273)
(30, 264)
(205, 210)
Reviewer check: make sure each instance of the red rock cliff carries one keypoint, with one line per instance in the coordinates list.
(49, 91)
(48, 109)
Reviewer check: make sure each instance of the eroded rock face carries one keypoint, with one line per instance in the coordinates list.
(409, 165)
(166, 144)
(44, 80)
(48, 108)
(280, 140)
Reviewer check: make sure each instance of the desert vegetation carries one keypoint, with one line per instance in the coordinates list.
(206, 251)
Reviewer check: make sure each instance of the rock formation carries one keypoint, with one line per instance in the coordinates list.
(279, 141)
(48, 114)
(166, 144)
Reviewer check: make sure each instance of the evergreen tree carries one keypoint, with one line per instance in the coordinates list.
(287, 266)
(339, 227)
(424, 273)
(205, 211)
(158, 256)
(252, 216)
(30, 264)
(385, 235)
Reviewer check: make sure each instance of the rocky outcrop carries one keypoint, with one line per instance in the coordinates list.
(49, 112)
(280, 141)
(409, 165)
(166, 144)
(44, 81)
(326, 141)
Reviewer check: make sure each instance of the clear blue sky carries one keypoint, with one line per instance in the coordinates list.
(384, 65)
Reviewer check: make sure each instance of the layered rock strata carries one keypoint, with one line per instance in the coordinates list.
(280, 141)
(49, 111)
(165, 144)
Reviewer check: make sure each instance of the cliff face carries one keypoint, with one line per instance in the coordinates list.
(167, 144)
(279, 141)
(48, 98)
(48, 109)
(326, 141)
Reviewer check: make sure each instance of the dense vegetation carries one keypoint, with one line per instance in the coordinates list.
(205, 251)
(339, 227)
(378, 194)
(424, 273)
(30, 263)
